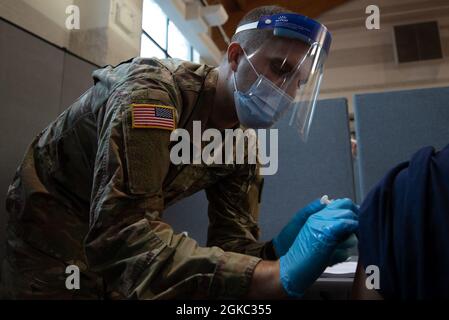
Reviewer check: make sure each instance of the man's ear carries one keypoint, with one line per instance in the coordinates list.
(234, 52)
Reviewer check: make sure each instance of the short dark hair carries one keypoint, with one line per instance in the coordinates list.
(252, 39)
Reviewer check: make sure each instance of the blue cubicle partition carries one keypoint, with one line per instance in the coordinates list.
(391, 126)
(306, 171)
(309, 170)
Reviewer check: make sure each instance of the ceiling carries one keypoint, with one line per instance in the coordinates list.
(236, 9)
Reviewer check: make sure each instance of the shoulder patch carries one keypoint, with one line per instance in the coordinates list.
(153, 116)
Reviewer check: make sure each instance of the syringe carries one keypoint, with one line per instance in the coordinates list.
(325, 200)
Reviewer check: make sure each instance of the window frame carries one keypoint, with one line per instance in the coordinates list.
(165, 50)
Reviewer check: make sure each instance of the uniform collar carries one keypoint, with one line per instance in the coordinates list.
(204, 104)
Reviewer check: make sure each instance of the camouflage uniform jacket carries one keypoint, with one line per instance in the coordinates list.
(91, 190)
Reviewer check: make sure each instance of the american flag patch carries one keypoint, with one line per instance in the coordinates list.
(153, 116)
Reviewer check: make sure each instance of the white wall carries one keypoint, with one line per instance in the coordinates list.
(45, 18)
(53, 10)
(100, 39)
(363, 60)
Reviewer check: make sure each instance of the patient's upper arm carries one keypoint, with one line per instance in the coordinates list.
(359, 289)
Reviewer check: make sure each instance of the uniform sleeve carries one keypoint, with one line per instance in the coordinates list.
(233, 214)
(138, 255)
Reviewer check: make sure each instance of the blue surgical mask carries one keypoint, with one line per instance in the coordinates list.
(262, 105)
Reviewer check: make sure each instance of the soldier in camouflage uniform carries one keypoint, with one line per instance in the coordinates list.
(90, 173)
(92, 188)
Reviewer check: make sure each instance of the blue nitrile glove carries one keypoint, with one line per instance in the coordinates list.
(288, 234)
(312, 249)
(342, 252)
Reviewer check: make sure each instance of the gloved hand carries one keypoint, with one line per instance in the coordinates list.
(288, 234)
(342, 252)
(312, 249)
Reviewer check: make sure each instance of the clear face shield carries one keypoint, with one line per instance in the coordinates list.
(288, 69)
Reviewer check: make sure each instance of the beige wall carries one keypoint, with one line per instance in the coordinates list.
(100, 39)
(363, 60)
(45, 18)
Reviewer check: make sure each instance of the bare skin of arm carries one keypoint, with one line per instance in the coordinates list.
(266, 283)
(359, 289)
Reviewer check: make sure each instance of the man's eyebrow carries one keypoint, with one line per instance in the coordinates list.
(284, 64)
(287, 67)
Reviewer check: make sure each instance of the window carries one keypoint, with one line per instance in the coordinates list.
(419, 41)
(161, 38)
